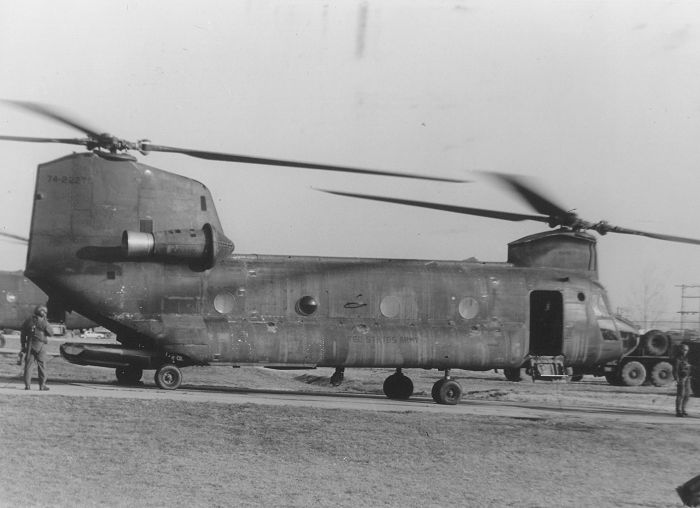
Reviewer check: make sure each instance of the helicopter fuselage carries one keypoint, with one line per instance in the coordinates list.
(140, 251)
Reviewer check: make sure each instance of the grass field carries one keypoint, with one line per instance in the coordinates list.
(74, 451)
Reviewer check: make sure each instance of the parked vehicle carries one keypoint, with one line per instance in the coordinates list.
(652, 360)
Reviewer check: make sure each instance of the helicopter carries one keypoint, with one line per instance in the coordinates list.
(141, 251)
(18, 299)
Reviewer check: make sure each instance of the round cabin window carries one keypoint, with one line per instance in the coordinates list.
(224, 302)
(306, 305)
(468, 307)
(390, 306)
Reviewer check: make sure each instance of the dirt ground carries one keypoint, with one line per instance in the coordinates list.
(90, 451)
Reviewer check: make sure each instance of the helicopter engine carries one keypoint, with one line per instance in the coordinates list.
(205, 246)
(562, 248)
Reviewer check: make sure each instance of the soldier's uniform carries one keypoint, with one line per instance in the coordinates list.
(33, 340)
(682, 374)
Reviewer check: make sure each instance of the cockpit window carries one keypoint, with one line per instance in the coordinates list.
(599, 305)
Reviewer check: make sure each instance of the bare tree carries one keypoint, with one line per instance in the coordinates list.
(647, 301)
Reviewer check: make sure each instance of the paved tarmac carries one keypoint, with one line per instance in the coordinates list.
(361, 402)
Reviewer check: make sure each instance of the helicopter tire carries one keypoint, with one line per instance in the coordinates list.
(435, 392)
(514, 374)
(168, 377)
(337, 377)
(633, 374)
(128, 375)
(398, 386)
(447, 391)
(661, 374)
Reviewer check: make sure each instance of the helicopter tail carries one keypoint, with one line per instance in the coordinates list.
(95, 214)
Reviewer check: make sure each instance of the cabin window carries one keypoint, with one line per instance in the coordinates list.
(224, 302)
(390, 306)
(203, 203)
(468, 307)
(306, 305)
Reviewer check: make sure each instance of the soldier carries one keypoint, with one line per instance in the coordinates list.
(681, 373)
(33, 341)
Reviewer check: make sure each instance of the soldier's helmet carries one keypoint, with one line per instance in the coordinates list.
(39, 309)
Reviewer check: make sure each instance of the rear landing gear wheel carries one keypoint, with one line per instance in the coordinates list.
(398, 386)
(168, 377)
(128, 375)
(447, 391)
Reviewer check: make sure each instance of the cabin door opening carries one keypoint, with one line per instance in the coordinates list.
(546, 323)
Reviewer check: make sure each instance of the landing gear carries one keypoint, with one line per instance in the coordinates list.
(338, 376)
(128, 375)
(168, 377)
(516, 374)
(446, 390)
(398, 386)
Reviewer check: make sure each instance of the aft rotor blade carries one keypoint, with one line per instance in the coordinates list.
(64, 141)
(48, 112)
(14, 237)
(480, 212)
(540, 203)
(658, 236)
(247, 159)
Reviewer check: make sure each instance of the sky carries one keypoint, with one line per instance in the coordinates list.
(597, 102)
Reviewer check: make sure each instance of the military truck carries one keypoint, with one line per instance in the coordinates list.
(652, 360)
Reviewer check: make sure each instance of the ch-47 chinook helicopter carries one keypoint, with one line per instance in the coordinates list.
(141, 251)
(19, 297)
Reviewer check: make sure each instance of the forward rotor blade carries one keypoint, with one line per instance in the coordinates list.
(480, 212)
(658, 236)
(533, 197)
(247, 159)
(65, 141)
(14, 237)
(48, 112)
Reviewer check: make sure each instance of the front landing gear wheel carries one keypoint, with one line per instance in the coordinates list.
(168, 377)
(398, 386)
(338, 376)
(447, 391)
(128, 375)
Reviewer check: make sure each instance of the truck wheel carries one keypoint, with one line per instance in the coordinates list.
(656, 343)
(661, 374)
(633, 374)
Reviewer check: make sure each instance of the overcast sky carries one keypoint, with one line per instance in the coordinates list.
(598, 101)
